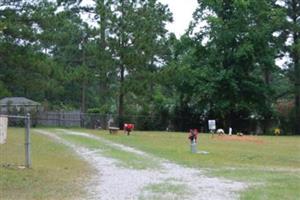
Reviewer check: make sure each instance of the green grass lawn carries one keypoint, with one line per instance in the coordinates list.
(273, 164)
(57, 173)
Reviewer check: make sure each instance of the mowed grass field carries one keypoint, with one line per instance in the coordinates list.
(270, 164)
(57, 173)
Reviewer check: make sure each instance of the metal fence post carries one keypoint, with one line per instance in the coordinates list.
(27, 142)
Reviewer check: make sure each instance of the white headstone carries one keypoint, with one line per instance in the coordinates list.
(212, 124)
(3, 129)
(230, 131)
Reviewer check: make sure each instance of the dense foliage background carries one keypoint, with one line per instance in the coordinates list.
(123, 61)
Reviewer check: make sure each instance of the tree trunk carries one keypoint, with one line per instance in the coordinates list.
(122, 69)
(121, 97)
(296, 60)
(102, 24)
(297, 91)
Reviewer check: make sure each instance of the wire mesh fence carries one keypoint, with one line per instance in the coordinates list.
(15, 145)
(99, 121)
(142, 122)
(152, 122)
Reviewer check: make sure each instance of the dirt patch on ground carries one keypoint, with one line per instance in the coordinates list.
(244, 138)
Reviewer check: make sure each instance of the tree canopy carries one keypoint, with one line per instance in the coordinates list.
(117, 56)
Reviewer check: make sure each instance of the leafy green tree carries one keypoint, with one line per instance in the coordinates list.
(239, 48)
(291, 32)
(22, 67)
(133, 32)
(64, 37)
(179, 81)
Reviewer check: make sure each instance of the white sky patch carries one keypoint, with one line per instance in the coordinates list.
(182, 14)
(88, 3)
(284, 61)
(89, 17)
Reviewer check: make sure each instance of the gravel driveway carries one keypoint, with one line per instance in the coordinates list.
(169, 181)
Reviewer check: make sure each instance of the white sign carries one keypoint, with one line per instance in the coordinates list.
(3, 129)
(212, 124)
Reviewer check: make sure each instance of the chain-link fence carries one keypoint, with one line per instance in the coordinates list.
(142, 122)
(15, 141)
(97, 121)
(101, 121)
(154, 122)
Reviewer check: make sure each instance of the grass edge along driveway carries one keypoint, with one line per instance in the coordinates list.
(57, 172)
(142, 184)
(273, 164)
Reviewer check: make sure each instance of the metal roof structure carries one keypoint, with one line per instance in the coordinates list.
(18, 101)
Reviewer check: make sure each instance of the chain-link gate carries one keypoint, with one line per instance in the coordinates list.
(15, 141)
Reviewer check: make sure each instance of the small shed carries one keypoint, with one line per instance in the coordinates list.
(18, 104)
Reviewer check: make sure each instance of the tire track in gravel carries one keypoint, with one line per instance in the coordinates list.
(170, 181)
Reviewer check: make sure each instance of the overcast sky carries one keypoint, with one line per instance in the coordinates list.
(182, 14)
